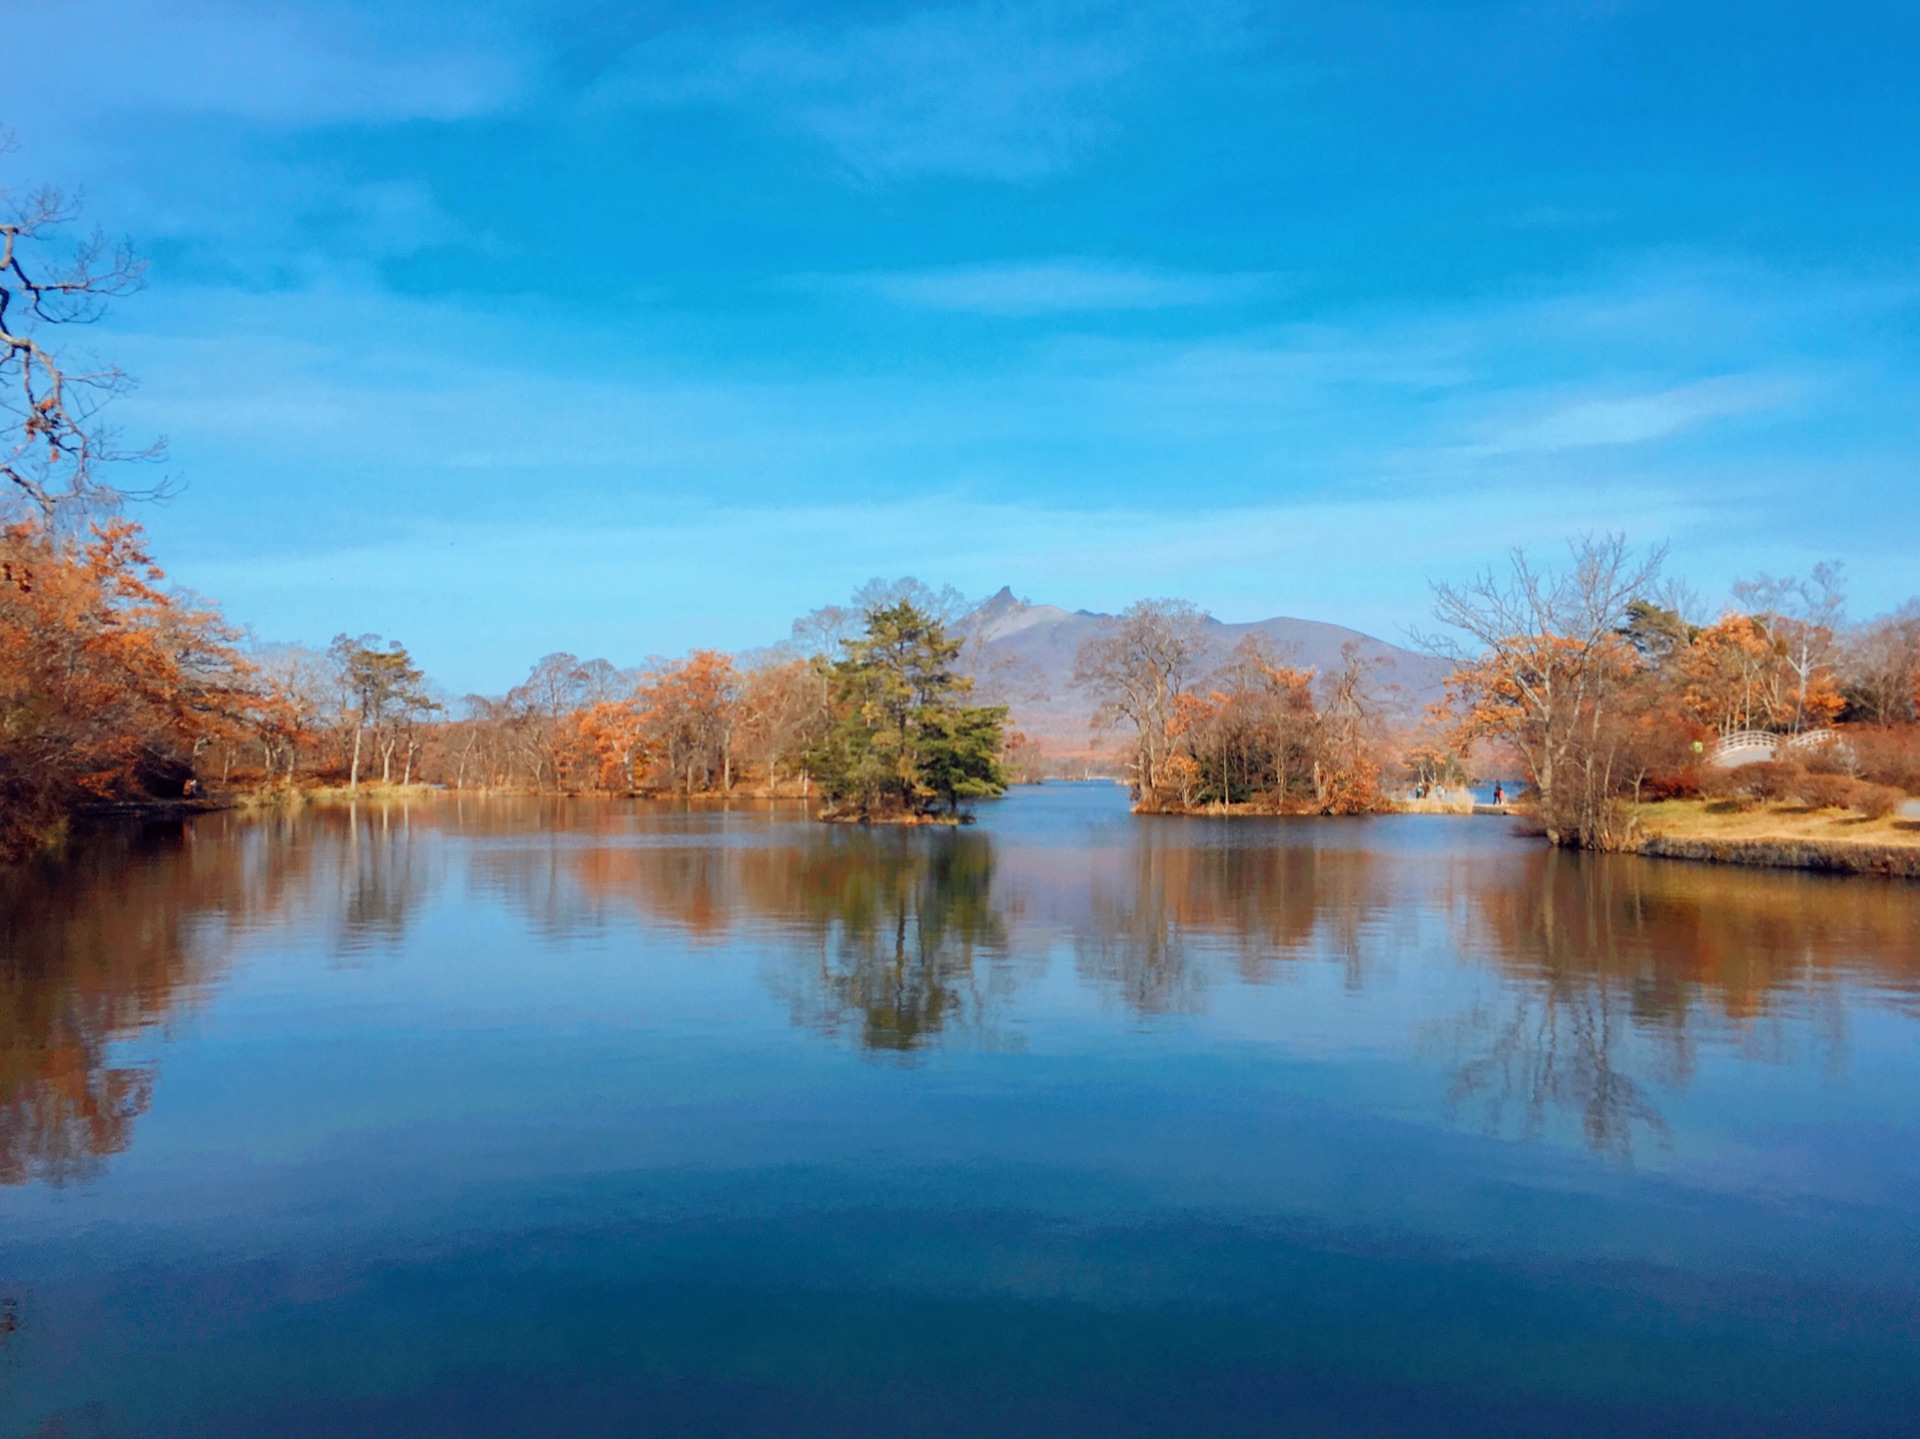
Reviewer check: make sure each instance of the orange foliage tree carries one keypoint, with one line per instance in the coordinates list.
(690, 718)
(603, 746)
(109, 685)
(1257, 736)
(1554, 678)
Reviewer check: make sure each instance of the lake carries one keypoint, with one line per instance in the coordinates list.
(521, 1117)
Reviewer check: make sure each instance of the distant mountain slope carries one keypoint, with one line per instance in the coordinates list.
(1026, 654)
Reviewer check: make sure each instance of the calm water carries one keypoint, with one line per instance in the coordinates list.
(526, 1119)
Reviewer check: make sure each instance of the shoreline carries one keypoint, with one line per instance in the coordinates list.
(1888, 861)
(1774, 837)
(1447, 809)
(1780, 837)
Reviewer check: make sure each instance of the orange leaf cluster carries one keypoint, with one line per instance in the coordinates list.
(107, 682)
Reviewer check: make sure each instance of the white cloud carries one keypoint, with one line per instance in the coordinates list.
(988, 90)
(1632, 419)
(1065, 286)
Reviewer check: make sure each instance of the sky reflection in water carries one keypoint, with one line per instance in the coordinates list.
(519, 1117)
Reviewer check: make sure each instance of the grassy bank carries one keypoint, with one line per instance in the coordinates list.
(1460, 804)
(1781, 836)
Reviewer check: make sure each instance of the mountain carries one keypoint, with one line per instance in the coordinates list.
(1024, 656)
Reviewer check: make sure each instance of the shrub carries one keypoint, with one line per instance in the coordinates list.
(1724, 786)
(1888, 756)
(1834, 757)
(1875, 801)
(1826, 791)
(1770, 779)
(1677, 783)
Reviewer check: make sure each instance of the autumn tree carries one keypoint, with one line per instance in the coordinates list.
(1137, 666)
(689, 716)
(1546, 670)
(783, 710)
(387, 694)
(605, 745)
(1802, 618)
(1249, 737)
(1728, 677)
(1346, 771)
(109, 684)
(291, 685)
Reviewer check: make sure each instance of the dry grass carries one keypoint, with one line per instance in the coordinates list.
(1697, 819)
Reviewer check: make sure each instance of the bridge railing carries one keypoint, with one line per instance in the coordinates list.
(1749, 746)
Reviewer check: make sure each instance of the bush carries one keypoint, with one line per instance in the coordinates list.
(1888, 756)
(1725, 786)
(1684, 783)
(1770, 779)
(1834, 757)
(1875, 801)
(1826, 791)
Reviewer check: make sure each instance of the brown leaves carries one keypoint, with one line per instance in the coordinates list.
(106, 682)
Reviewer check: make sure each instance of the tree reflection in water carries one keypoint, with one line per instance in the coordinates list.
(877, 932)
(133, 926)
(1602, 978)
(1617, 968)
(380, 873)
(93, 952)
(895, 922)
(1156, 926)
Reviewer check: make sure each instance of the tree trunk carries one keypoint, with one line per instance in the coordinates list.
(353, 775)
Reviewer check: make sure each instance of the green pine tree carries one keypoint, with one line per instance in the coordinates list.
(903, 742)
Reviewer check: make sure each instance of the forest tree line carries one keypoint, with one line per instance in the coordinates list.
(1593, 684)
(114, 688)
(1597, 683)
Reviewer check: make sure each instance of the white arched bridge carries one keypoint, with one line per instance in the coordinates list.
(1751, 746)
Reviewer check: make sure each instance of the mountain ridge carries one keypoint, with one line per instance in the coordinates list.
(1024, 657)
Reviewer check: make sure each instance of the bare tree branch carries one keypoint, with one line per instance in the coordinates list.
(52, 442)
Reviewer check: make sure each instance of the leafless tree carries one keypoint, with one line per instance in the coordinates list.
(1803, 616)
(1138, 666)
(822, 631)
(1881, 667)
(1544, 668)
(53, 444)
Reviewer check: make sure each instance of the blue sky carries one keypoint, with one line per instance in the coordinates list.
(505, 328)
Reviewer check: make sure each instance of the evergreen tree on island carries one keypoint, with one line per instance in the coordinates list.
(903, 745)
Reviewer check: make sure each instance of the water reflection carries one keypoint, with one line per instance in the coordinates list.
(89, 955)
(1593, 984)
(1163, 915)
(118, 940)
(875, 934)
(894, 926)
(380, 873)
(1617, 968)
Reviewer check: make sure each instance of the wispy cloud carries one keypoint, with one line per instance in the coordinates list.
(989, 90)
(1054, 287)
(1322, 469)
(278, 64)
(1633, 419)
